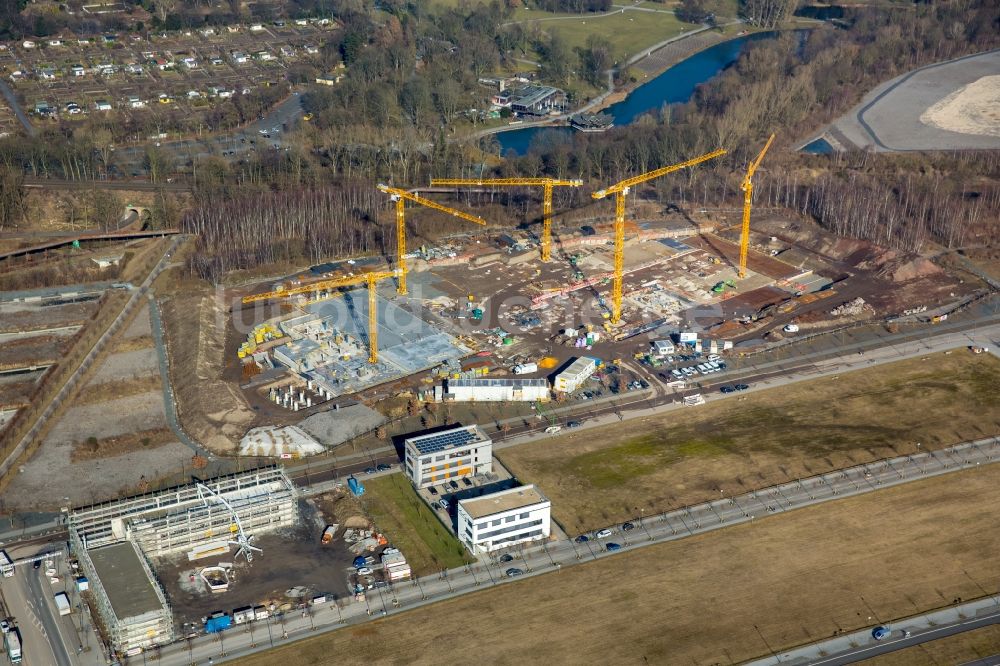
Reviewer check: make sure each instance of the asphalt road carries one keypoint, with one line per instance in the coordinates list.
(536, 560)
(900, 642)
(43, 606)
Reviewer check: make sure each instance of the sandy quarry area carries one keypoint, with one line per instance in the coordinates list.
(952, 105)
(972, 109)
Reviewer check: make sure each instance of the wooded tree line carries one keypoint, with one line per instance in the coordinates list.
(792, 85)
(283, 227)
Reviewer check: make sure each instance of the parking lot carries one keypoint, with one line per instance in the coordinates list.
(443, 498)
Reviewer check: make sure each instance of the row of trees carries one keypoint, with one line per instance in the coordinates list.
(285, 227)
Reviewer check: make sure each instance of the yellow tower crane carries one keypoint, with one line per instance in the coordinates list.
(620, 190)
(546, 183)
(747, 188)
(320, 286)
(401, 197)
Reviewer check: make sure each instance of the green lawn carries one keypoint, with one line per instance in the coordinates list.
(629, 33)
(411, 526)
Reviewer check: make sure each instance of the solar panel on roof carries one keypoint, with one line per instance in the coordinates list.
(445, 440)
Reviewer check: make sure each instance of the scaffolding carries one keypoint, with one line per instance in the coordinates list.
(113, 540)
(177, 519)
(132, 607)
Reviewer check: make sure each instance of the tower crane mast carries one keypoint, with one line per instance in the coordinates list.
(370, 278)
(547, 184)
(400, 197)
(619, 190)
(747, 187)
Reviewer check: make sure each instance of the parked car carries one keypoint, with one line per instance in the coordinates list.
(360, 561)
(513, 571)
(506, 557)
(611, 546)
(741, 387)
(383, 467)
(37, 564)
(727, 389)
(572, 424)
(466, 481)
(583, 538)
(369, 470)
(443, 503)
(432, 490)
(553, 429)
(714, 357)
(453, 484)
(627, 526)
(603, 534)
(365, 571)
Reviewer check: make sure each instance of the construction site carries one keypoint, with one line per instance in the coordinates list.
(521, 305)
(122, 545)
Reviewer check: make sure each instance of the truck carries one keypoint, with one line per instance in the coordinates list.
(6, 566)
(12, 643)
(525, 368)
(62, 603)
(328, 534)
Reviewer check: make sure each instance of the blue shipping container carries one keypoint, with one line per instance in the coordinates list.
(217, 624)
(356, 487)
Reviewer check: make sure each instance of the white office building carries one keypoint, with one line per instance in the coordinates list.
(497, 390)
(503, 519)
(663, 347)
(575, 374)
(447, 455)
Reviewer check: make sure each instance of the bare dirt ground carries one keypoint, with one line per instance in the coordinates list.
(292, 557)
(50, 474)
(27, 316)
(960, 649)
(126, 365)
(141, 327)
(794, 579)
(196, 335)
(613, 473)
(37, 349)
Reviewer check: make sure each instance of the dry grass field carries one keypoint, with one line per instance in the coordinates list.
(797, 578)
(606, 475)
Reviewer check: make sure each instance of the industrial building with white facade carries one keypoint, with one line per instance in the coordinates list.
(450, 454)
(497, 390)
(577, 372)
(503, 519)
(114, 542)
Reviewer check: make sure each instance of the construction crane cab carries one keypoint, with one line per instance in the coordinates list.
(747, 187)
(620, 190)
(400, 197)
(547, 184)
(328, 287)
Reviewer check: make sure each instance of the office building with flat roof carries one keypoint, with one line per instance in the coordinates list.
(503, 519)
(575, 374)
(128, 598)
(450, 454)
